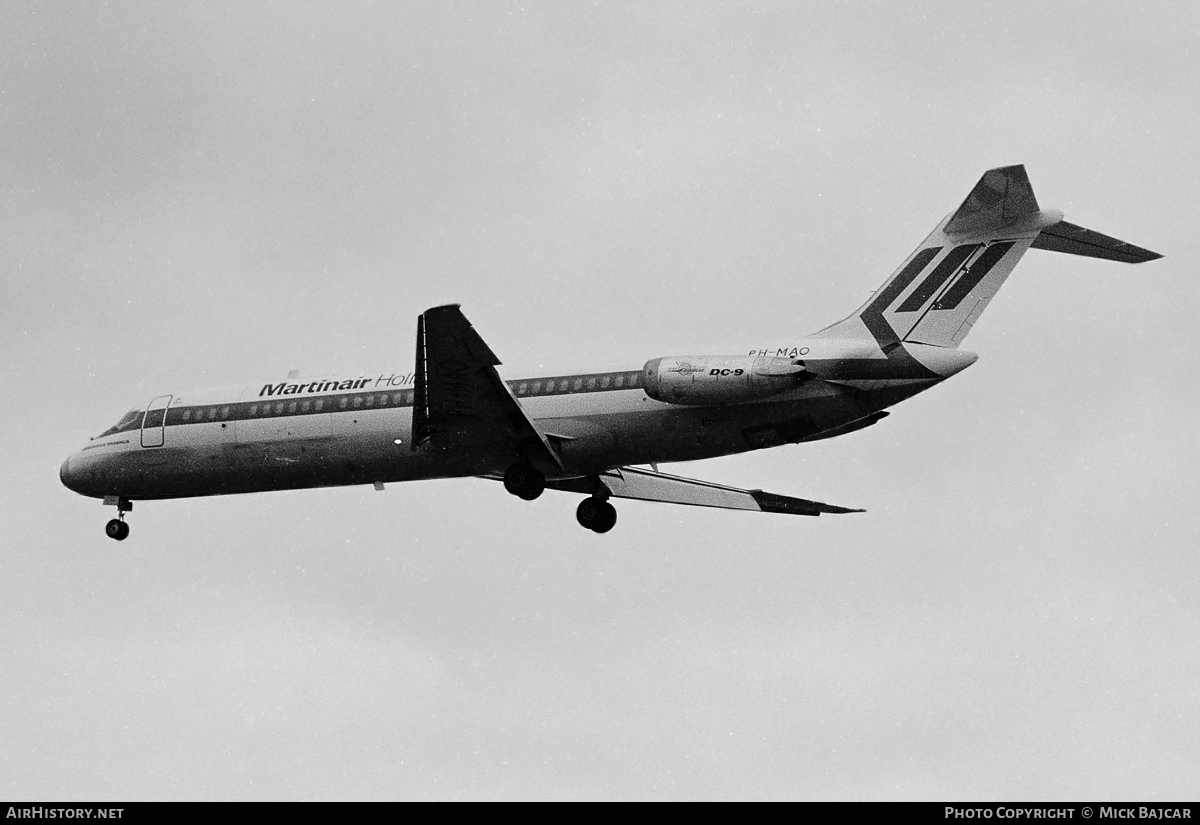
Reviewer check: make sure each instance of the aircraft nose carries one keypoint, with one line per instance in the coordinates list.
(67, 478)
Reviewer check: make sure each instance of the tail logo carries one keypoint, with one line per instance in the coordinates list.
(975, 273)
(955, 270)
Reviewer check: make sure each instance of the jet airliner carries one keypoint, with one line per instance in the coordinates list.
(601, 435)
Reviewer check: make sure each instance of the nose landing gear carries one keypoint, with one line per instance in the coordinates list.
(117, 529)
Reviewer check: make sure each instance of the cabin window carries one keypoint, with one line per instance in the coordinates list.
(254, 409)
(604, 382)
(292, 407)
(342, 403)
(224, 412)
(358, 400)
(279, 408)
(132, 420)
(319, 404)
(305, 406)
(187, 415)
(591, 384)
(578, 383)
(212, 413)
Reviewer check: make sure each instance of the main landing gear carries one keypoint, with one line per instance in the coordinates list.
(524, 481)
(117, 529)
(596, 514)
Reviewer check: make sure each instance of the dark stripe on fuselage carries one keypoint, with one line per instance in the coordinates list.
(941, 273)
(360, 401)
(959, 290)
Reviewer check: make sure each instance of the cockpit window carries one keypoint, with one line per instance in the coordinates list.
(132, 420)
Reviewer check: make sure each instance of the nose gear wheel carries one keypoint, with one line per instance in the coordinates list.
(117, 529)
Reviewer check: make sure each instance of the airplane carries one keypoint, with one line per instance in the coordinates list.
(601, 435)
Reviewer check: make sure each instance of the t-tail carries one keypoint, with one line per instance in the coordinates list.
(943, 287)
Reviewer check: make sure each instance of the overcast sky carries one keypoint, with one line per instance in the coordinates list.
(196, 194)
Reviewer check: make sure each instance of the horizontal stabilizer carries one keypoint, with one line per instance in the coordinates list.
(646, 485)
(1075, 240)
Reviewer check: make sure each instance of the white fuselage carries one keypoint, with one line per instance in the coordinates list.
(345, 430)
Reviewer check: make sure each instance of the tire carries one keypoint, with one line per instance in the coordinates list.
(524, 481)
(588, 512)
(596, 514)
(608, 518)
(116, 530)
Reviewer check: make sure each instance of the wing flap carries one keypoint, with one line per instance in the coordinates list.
(646, 485)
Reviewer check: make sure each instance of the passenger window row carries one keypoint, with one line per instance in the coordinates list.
(271, 408)
(598, 382)
(299, 406)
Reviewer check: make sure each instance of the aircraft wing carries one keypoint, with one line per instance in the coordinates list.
(459, 400)
(631, 482)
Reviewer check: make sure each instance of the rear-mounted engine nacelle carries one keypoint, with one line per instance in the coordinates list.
(719, 379)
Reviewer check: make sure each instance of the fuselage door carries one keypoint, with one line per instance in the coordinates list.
(152, 424)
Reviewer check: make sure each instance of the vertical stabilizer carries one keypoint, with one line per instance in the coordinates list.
(943, 287)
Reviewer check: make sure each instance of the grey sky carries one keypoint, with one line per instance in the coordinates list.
(205, 193)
